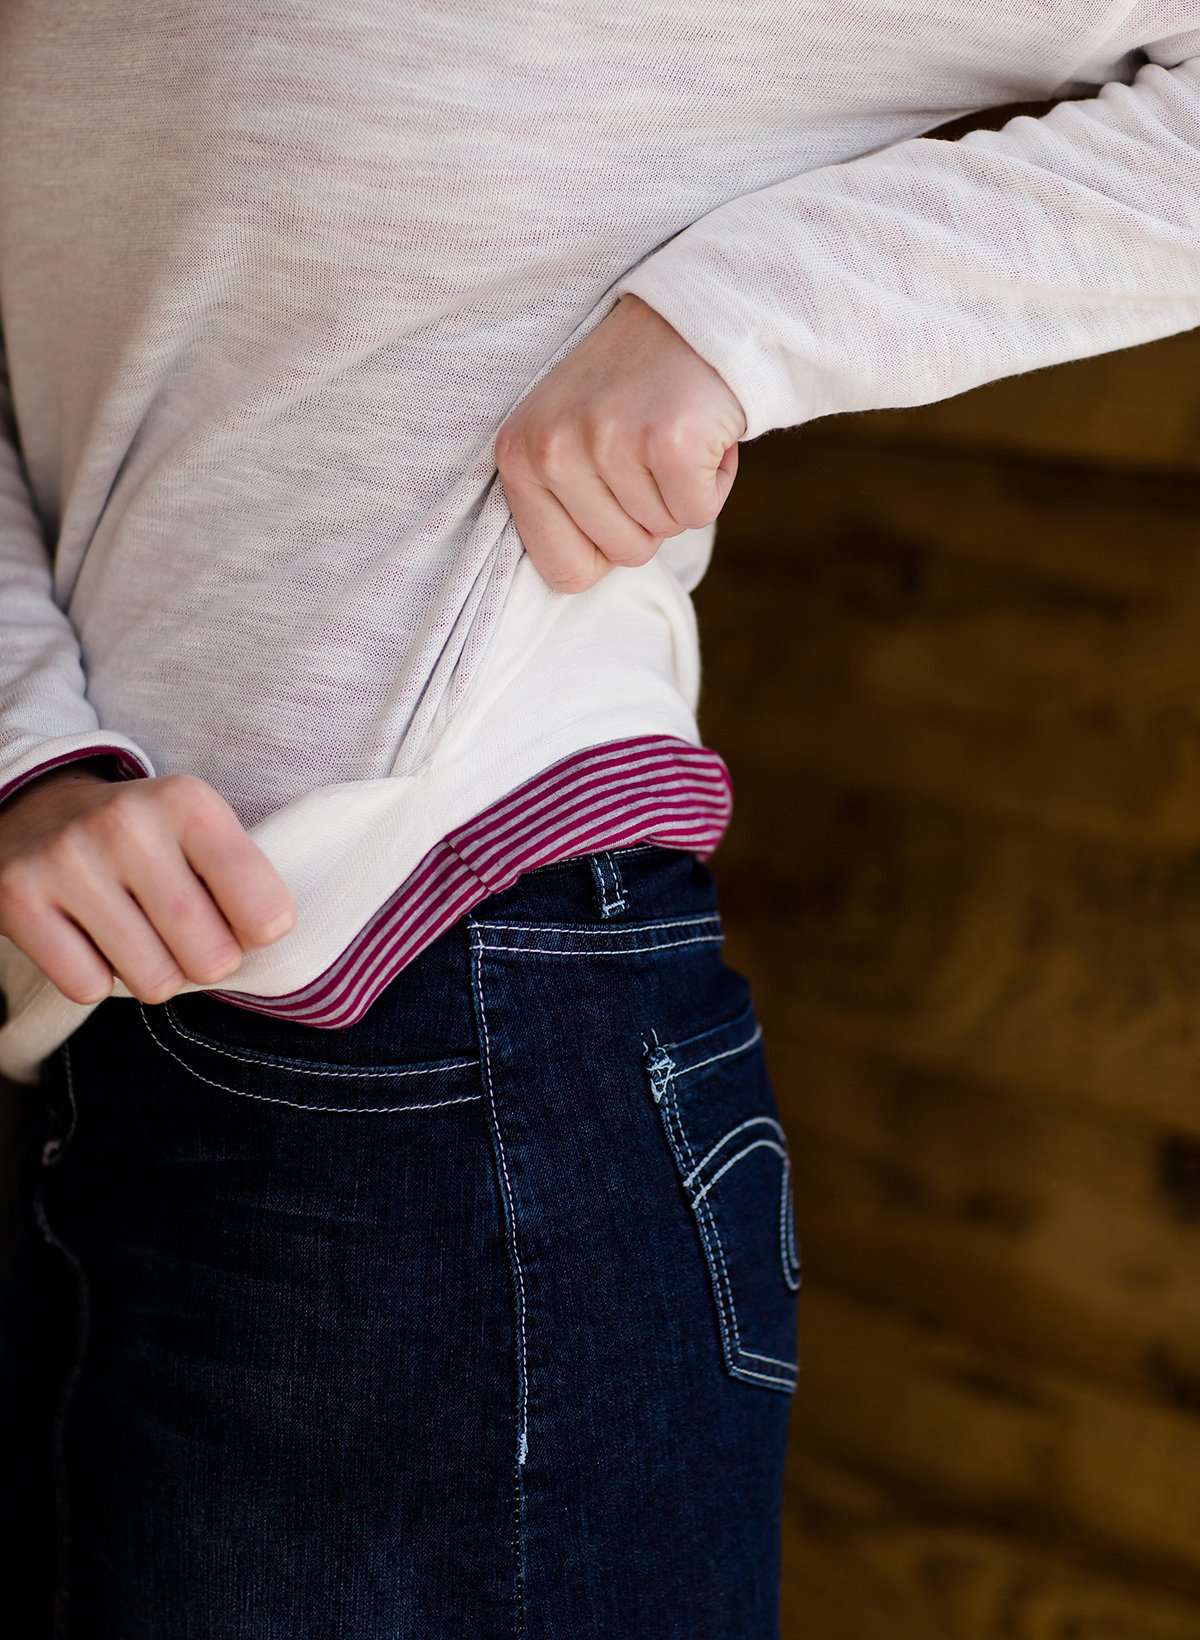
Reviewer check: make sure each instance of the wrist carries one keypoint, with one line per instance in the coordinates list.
(89, 770)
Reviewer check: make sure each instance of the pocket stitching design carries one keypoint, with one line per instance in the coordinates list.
(665, 1075)
(302, 1067)
(704, 1218)
(625, 951)
(730, 1322)
(787, 1239)
(710, 917)
(788, 1250)
(293, 1104)
(593, 939)
(738, 1047)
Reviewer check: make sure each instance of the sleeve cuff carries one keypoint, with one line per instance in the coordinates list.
(120, 763)
(764, 389)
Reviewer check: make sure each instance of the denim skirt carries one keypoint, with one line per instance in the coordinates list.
(475, 1320)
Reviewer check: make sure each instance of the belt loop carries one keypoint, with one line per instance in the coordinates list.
(606, 881)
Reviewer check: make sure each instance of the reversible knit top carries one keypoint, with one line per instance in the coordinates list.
(271, 278)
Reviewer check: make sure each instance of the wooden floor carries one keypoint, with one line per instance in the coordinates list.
(952, 657)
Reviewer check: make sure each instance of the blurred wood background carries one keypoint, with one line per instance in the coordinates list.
(951, 656)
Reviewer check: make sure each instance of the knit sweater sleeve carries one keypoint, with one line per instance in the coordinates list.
(928, 267)
(45, 716)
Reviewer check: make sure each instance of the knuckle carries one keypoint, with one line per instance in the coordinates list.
(116, 828)
(637, 552)
(570, 580)
(121, 800)
(190, 792)
(16, 885)
(695, 517)
(182, 782)
(160, 989)
(609, 434)
(68, 853)
(219, 965)
(508, 445)
(672, 441)
(271, 924)
(569, 571)
(550, 447)
(200, 812)
(127, 803)
(693, 511)
(83, 982)
(265, 911)
(91, 994)
(124, 813)
(214, 963)
(565, 584)
(186, 913)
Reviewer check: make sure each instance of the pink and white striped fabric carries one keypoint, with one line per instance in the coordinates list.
(645, 788)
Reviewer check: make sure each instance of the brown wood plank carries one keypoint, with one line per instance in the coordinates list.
(1022, 1452)
(1136, 406)
(862, 1563)
(874, 632)
(1062, 1238)
(838, 491)
(1059, 968)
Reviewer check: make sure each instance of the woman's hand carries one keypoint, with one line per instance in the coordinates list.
(154, 881)
(631, 438)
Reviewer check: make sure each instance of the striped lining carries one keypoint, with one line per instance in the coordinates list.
(122, 765)
(645, 788)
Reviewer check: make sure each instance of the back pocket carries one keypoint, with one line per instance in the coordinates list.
(721, 1121)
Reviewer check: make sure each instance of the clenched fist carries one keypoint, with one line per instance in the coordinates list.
(631, 438)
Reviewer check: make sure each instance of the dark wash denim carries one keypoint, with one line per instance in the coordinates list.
(474, 1320)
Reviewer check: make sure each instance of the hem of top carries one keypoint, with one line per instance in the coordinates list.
(686, 803)
(40, 1017)
(617, 662)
